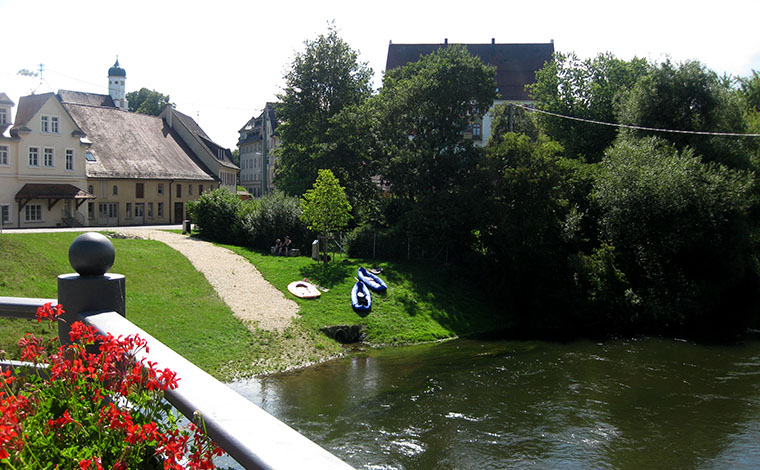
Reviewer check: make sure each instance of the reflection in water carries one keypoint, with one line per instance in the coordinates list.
(465, 404)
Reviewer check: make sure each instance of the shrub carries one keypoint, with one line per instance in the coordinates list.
(270, 217)
(681, 234)
(216, 215)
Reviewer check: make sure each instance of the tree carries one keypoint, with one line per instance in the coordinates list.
(681, 234)
(585, 89)
(326, 207)
(689, 97)
(418, 121)
(322, 81)
(147, 101)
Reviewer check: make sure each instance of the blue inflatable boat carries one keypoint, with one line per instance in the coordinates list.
(371, 280)
(361, 299)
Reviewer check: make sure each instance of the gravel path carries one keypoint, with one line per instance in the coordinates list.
(250, 297)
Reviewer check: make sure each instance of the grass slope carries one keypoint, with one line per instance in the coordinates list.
(166, 297)
(423, 303)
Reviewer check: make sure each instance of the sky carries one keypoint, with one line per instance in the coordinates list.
(221, 61)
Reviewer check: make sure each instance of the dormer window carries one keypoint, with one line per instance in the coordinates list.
(89, 157)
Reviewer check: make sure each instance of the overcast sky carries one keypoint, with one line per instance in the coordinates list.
(220, 61)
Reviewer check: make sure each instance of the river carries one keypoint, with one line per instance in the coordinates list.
(465, 404)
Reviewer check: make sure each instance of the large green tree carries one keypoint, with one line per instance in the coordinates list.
(689, 97)
(418, 121)
(325, 206)
(681, 232)
(145, 101)
(585, 89)
(323, 80)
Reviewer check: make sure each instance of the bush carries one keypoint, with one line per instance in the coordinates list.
(681, 232)
(273, 216)
(216, 214)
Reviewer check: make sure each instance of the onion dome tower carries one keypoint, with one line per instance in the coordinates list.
(117, 77)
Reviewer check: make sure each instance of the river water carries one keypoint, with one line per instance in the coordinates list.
(646, 403)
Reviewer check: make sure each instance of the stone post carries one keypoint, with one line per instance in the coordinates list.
(91, 288)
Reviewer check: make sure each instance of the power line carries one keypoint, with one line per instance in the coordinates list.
(639, 128)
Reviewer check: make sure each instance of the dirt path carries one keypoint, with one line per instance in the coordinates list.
(235, 279)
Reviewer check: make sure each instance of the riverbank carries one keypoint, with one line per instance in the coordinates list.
(422, 304)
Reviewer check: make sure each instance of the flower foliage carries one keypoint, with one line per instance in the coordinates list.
(92, 405)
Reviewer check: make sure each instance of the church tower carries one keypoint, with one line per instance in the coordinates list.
(117, 77)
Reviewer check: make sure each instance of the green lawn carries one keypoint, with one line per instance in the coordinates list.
(423, 303)
(166, 297)
(172, 301)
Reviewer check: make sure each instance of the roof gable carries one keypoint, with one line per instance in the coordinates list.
(516, 64)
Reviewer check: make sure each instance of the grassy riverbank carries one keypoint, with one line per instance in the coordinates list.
(169, 299)
(423, 303)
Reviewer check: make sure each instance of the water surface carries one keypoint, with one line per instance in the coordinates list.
(649, 403)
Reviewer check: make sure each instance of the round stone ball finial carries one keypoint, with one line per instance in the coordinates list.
(91, 254)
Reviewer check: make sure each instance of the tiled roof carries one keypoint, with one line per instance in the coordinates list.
(212, 146)
(52, 191)
(131, 145)
(4, 99)
(516, 64)
(28, 106)
(90, 99)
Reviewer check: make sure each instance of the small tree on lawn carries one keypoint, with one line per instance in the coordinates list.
(326, 207)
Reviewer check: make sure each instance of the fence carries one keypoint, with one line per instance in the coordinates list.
(251, 436)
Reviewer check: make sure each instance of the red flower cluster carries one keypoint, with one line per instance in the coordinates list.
(74, 412)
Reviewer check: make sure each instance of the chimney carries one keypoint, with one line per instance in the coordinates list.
(446, 41)
(493, 40)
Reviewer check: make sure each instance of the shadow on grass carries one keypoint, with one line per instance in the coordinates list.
(328, 275)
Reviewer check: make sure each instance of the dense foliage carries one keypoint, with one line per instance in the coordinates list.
(323, 81)
(145, 101)
(223, 217)
(580, 221)
(325, 207)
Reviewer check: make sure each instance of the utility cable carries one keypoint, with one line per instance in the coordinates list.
(629, 126)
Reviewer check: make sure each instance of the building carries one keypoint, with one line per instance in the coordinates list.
(81, 159)
(516, 66)
(258, 137)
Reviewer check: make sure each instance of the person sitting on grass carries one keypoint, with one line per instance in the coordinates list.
(286, 244)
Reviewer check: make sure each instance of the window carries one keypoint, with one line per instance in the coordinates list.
(48, 155)
(5, 214)
(139, 209)
(89, 157)
(3, 155)
(160, 209)
(32, 213)
(34, 156)
(91, 209)
(54, 124)
(108, 209)
(90, 189)
(44, 124)
(200, 189)
(4, 116)
(476, 130)
(139, 190)
(160, 188)
(189, 189)
(179, 190)
(115, 190)
(70, 159)
(129, 210)
(150, 209)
